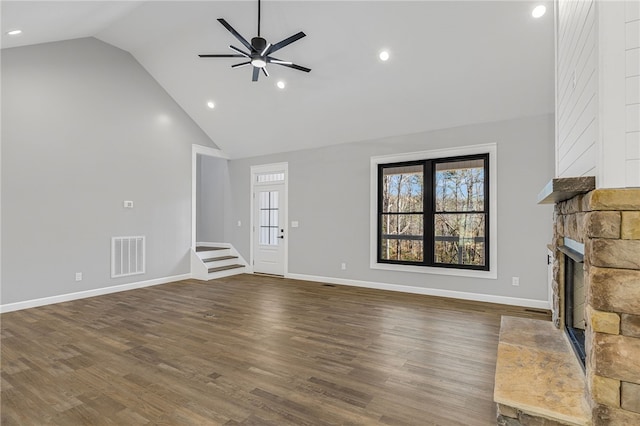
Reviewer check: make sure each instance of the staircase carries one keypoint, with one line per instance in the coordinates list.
(216, 260)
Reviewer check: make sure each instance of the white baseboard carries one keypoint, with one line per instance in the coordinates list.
(504, 300)
(9, 307)
(514, 301)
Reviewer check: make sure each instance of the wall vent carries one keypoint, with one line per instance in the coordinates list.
(127, 256)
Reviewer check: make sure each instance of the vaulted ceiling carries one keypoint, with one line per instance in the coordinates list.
(451, 63)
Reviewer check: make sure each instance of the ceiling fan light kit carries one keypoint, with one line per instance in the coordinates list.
(260, 51)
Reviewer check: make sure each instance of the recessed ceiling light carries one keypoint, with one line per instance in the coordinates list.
(211, 105)
(281, 84)
(14, 32)
(538, 11)
(384, 55)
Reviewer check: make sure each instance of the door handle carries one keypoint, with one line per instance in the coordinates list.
(281, 236)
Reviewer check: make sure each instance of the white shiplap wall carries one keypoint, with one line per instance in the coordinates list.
(632, 92)
(576, 89)
(598, 91)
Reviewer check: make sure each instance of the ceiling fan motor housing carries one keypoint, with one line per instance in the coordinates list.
(259, 44)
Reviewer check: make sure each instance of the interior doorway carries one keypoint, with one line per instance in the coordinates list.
(198, 154)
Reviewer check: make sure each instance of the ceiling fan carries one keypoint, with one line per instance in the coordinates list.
(260, 51)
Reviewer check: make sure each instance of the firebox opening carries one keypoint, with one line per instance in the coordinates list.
(574, 296)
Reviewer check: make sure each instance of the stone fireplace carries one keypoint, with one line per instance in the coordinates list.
(606, 224)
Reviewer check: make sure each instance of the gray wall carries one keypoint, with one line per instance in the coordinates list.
(212, 189)
(85, 127)
(329, 196)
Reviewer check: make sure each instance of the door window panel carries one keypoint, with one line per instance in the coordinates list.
(268, 218)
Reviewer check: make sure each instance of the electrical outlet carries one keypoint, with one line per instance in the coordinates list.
(78, 276)
(515, 281)
(343, 266)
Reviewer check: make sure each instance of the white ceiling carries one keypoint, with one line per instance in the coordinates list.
(452, 63)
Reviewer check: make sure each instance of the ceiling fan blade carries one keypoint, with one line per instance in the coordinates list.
(294, 66)
(286, 42)
(241, 64)
(264, 70)
(278, 61)
(222, 56)
(236, 34)
(246, 55)
(256, 73)
(266, 50)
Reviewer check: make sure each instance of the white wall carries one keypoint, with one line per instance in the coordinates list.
(576, 88)
(632, 92)
(329, 197)
(212, 190)
(85, 127)
(598, 91)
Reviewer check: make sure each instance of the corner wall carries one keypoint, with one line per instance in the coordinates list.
(329, 197)
(85, 127)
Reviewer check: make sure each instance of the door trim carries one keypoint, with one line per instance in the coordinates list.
(270, 168)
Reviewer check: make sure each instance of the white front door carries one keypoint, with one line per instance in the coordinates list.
(269, 228)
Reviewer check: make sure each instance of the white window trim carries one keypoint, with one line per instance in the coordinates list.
(491, 149)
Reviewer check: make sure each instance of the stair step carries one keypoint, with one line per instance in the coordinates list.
(216, 259)
(205, 248)
(224, 268)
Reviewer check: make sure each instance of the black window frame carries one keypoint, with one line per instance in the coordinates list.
(429, 213)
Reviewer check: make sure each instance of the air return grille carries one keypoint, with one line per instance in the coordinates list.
(127, 256)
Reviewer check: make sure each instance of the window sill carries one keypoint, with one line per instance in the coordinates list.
(490, 275)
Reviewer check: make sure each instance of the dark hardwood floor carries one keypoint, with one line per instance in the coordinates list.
(249, 350)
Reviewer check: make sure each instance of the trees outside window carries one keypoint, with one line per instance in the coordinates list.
(435, 212)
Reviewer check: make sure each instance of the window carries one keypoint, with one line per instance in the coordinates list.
(460, 213)
(268, 218)
(434, 212)
(270, 177)
(401, 212)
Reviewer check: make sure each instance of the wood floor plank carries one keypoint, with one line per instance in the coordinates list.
(252, 350)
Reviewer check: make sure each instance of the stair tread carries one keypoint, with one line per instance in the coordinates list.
(205, 248)
(215, 259)
(224, 268)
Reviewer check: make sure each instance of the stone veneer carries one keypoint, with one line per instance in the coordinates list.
(607, 221)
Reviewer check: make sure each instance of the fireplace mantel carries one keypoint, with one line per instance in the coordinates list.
(561, 189)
